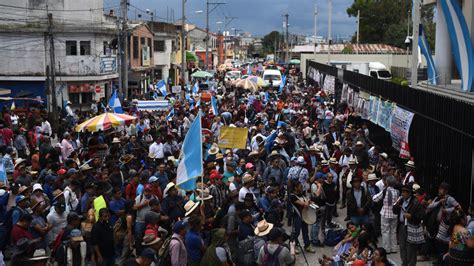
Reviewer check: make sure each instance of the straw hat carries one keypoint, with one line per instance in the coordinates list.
(273, 155)
(370, 169)
(115, 140)
(247, 178)
(169, 186)
(372, 177)
(337, 143)
(19, 161)
(57, 193)
(205, 195)
(85, 167)
(324, 163)
(127, 158)
(263, 228)
(22, 189)
(333, 160)
(410, 164)
(190, 206)
(213, 150)
(150, 239)
(252, 153)
(384, 155)
(353, 161)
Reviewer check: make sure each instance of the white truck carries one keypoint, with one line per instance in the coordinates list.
(373, 69)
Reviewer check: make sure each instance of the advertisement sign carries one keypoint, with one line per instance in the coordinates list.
(233, 137)
(108, 64)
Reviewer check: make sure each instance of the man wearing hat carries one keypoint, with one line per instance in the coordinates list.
(299, 173)
(217, 189)
(177, 249)
(410, 175)
(74, 250)
(247, 184)
(173, 203)
(274, 170)
(358, 202)
(411, 212)
(388, 220)
(143, 207)
(275, 251)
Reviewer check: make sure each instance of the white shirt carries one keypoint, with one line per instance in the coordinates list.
(69, 111)
(157, 150)
(70, 199)
(46, 128)
(66, 149)
(344, 161)
(243, 191)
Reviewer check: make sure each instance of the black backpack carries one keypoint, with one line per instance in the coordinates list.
(271, 259)
(164, 256)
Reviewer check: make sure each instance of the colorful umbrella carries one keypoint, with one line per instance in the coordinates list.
(247, 84)
(201, 74)
(104, 122)
(294, 62)
(258, 80)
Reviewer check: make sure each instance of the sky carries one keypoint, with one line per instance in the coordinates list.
(256, 16)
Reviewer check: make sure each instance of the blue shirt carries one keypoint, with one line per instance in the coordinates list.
(84, 200)
(162, 179)
(115, 206)
(264, 203)
(194, 243)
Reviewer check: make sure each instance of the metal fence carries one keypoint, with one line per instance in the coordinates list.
(441, 135)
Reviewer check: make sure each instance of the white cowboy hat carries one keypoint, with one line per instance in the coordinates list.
(190, 206)
(384, 155)
(333, 160)
(410, 164)
(19, 161)
(263, 228)
(205, 195)
(116, 140)
(167, 188)
(85, 167)
(213, 150)
(372, 177)
(247, 178)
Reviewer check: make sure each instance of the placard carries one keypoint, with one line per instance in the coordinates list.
(233, 137)
(176, 89)
(400, 126)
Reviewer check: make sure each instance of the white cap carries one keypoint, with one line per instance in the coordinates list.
(37, 186)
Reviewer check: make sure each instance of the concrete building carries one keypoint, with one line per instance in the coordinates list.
(164, 51)
(84, 44)
(197, 45)
(140, 57)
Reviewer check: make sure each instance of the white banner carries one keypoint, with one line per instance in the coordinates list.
(400, 126)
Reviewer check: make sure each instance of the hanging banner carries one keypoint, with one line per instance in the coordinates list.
(384, 115)
(374, 108)
(350, 97)
(400, 126)
(364, 113)
(329, 84)
(233, 137)
(345, 91)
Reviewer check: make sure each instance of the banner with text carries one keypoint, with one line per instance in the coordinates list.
(400, 126)
(233, 137)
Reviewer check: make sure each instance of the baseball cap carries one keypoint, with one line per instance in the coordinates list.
(71, 171)
(248, 166)
(19, 198)
(61, 171)
(76, 235)
(152, 179)
(179, 225)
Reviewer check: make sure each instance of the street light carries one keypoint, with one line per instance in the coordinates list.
(198, 12)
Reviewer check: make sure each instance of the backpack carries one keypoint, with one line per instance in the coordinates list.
(164, 256)
(271, 259)
(334, 236)
(246, 251)
(119, 232)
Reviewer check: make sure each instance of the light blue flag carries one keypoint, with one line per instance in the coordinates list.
(190, 160)
(114, 103)
(426, 51)
(215, 110)
(169, 117)
(198, 104)
(249, 70)
(270, 140)
(282, 84)
(196, 88)
(161, 86)
(3, 173)
(267, 97)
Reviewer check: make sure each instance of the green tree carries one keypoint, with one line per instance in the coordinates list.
(268, 42)
(385, 21)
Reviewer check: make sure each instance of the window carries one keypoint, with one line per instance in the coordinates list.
(373, 74)
(135, 47)
(85, 47)
(159, 46)
(159, 73)
(71, 47)
(142, 41)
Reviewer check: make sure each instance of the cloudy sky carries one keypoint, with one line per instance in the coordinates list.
(256, 16)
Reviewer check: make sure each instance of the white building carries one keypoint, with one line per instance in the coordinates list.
(84, 39)
(165, 41)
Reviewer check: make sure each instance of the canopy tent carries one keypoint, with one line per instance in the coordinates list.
(201, 74)
(161, 105)
(104, 122)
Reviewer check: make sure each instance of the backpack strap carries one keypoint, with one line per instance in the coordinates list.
(277, 251)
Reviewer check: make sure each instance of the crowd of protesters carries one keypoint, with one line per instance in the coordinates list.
(111, 197)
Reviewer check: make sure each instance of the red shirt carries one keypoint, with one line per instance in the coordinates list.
(156, 190)
(18, 233)
(131, 190)
(7, 135)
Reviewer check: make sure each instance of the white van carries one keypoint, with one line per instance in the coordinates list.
(272, 75)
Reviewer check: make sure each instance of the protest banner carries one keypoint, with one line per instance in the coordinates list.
(233, 137)
(400, 126)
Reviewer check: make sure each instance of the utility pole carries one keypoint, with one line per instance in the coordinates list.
(329, 29)
(152, 75)
(236, 40)
(358, 30)
(414, 48)
(207, 29)
(286, 37)
(124, 47)
(226, 23)
(183, 46)
(52, 58)
(315, 20)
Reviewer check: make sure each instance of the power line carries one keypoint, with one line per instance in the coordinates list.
(56, 10)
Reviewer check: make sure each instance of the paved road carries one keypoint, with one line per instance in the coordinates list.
(313, 258)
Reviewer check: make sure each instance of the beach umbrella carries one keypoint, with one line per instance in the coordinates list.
(104, 122)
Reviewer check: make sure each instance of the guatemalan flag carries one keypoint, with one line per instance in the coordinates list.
(190, 160)
(114, 103)
(426, 51)
(215, 110)
(270, 140)
(282, 84)
(161, 86)
(196, 88)
(169, 117)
